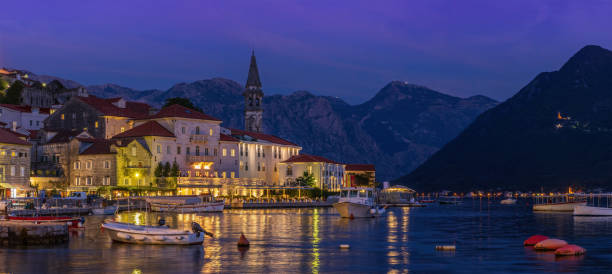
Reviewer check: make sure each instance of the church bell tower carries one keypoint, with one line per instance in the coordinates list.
(253, 99)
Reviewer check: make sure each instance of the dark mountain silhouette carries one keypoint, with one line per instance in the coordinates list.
(397, 129)
(554, 133)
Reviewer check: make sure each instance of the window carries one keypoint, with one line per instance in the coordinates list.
(197, 130)
(187, 151)
(168, 150)
(246, 166)
(88, 181)
(96, 124)
(74, 116)
(275, 168)
(106, 181)
(263, 166)
(233, 152)
(133, 150)
(206, 151)
(22, 171)
(183, 130)
(210, 132)
(178, 150)
(77, 180)
(126, 181)
(241, 148)
(158, 149)
(77, 165)
(224, 152)
(258, 166)
(37, 123)
(88, 164)
(197, 150)
(215, 152)
(289, 170)
(107, 164)
(223, 174)
(13, 153)
(30, 122)
(62, 116)
(122, 129)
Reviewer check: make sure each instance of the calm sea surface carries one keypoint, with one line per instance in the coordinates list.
(488, 237)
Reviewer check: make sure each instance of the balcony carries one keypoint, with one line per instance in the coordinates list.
(201, 158)
(199, 138)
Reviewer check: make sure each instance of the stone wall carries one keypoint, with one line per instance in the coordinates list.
(26, 233)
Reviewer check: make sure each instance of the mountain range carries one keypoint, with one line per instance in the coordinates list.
(556, 132)
(398, 129)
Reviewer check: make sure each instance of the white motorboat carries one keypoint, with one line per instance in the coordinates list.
(357, 203)
(186, 204)
(154, 235)
(508, 201)
(109, 210)
(585, 210)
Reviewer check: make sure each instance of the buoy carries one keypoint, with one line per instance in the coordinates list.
(345, 246)
(243, 240)
(534, 239)
(550, 244)
(446, 247)
(570, 250)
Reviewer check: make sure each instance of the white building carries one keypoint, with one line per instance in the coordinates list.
(23, 117)
(327, 174)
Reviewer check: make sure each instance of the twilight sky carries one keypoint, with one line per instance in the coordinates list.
(348, 49)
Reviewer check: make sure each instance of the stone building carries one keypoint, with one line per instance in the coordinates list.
(360, 175)
(102, 118)
(94, 165)
(327, 174)
(14, 164)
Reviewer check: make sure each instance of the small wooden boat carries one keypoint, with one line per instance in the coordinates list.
(109, 210)
(71, 221)
(584, 210)
(154, 235)
(508, 201)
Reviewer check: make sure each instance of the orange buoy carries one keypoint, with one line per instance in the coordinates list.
(570, 250)
(550, 244)
(534, 239)
(243, 241)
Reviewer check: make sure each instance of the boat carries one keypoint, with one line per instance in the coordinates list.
(189, 204)
(508, 201)
(109, 210)
(72, 222)
(584, 210)
(154, 235)
(566, 202)
(357, 202)
(449, 200)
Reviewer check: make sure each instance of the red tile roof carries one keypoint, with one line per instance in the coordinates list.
(9, 137)
(227, 138)
(360, 167)
(261, 136)
(305, 158)
(182, 112)
(107, 108)
(150, 128)
(98, 147)
(63, 136)
(27, 109)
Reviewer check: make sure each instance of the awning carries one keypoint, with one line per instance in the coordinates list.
(17, 186)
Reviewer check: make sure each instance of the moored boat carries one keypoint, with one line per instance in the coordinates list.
(563, 202)
(357, 203)
(154, 235)
(72, 222)
(563, 206)
(109, 210)
(189, 204)
(508, 201)
(449, 200)
(584, 210)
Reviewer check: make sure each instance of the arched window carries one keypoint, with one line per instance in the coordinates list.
(197, 130)
(197, 150)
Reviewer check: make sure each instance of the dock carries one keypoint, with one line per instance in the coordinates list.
(51, 211)
(29, 233)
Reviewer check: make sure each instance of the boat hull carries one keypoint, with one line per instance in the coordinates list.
(508, 201)
(592, 211)
(104, 211)
(353, 210)
(568, 207)
(202, 207)
(151, 236)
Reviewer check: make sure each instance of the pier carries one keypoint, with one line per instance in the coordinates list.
(30, 233)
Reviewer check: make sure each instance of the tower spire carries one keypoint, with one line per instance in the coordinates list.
(253, 77)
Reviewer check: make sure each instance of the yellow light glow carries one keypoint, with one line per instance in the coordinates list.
(137, 175)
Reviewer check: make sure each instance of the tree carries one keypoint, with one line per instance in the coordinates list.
(159, 170)
(183, 102)
(13, 93)
(174, 172)
(167, 169)
(306, 180)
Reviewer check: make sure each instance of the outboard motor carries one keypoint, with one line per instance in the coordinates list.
(196, 228)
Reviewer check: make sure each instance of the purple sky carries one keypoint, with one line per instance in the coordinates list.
(348, 49)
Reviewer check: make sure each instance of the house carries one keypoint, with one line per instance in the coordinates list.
(14, 164)
(94, 165)
(327, 174)
(23, 117)
(360, 175)
(102, 118)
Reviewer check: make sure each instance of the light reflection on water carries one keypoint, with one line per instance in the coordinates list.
(488, 238)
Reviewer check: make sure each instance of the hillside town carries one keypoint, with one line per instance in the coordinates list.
(64, 140)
